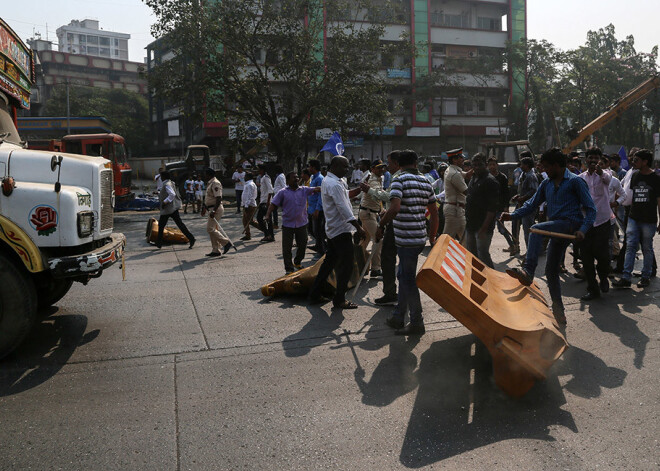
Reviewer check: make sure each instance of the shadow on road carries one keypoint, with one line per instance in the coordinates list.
(318, 331)
(45, 351)
(458, 407)
(614, 321)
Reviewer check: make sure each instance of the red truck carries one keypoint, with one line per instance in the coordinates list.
(107, 145)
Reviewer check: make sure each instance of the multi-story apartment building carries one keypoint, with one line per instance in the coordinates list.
(86, 38)
(471, 113)
(56, 68)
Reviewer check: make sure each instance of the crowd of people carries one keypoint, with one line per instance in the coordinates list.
(604, 212)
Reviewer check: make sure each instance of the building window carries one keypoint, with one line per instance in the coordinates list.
(104, 51)
(93, 40)
(104, 41)
(453, 21)
(116, 41)
(491, 24)
(92, 50)
(82, 38)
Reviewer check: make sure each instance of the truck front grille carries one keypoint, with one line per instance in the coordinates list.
(106, 199)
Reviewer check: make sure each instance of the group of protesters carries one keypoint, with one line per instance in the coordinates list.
(607, 213)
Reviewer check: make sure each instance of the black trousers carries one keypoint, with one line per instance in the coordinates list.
(239, 196)
(300, 235)
(162, 222)
(266, 225)
(321, 244)
(596, 248)
(274, 215)
(339, 257)
(388, 261)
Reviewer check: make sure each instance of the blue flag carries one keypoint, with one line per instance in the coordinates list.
(624, 158)
(334, 145)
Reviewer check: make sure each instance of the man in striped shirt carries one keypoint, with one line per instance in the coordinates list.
(411, 195)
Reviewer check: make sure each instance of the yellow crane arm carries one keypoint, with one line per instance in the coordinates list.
(626, 101)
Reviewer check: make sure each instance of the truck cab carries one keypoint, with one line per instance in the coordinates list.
(198, 158)
(109, 146)
(56, 216)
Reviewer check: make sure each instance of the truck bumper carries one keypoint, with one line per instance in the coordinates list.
(90, 264)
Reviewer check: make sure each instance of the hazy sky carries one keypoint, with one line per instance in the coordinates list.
(562, 22)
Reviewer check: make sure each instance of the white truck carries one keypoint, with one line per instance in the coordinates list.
(56, 217)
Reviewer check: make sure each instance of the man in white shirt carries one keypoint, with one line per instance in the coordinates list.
(357, 175)
(170, 203)
(159, 180)
(266, 194)
(239, 184)
(280, 184)
(339, 226)
(199, 193)
(249, 203)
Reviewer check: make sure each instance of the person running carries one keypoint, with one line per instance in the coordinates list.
(293, 201)
(170, 203)
(566, 196)
(340, 223)
(213, 204)
(410, 197)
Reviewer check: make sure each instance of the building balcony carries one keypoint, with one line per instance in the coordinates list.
(469, 37)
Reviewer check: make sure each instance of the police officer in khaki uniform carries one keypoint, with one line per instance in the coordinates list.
(369, 214)
(213, 204)
(455, 195)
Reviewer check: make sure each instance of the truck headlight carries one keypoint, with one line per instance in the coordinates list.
(85, 224)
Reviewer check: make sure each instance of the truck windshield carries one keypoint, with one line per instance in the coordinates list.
(120, 153)
(8, 131)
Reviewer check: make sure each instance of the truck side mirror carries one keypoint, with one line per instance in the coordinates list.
(56, 161)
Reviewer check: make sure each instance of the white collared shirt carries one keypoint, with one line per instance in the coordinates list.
(280, 183)
(249, 196)
(336, 206)
(266, 189)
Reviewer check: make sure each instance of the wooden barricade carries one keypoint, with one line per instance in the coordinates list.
(170, 234)
(301, 281)
(512, 320)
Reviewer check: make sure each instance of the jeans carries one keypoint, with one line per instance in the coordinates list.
(409, 300)
(479, 245)
(388, 261)
(339, 258)
(162, 222)
(595, 247)
(639, 233)
(527, 222)
(502, 229)
(266, 225)
(555, 255)
(288, 234)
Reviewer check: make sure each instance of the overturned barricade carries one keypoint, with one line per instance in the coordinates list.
(513, 321)
(301, 281)
(170, 234)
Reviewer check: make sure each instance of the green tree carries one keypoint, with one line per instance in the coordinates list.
(127, 112)
(263, 63)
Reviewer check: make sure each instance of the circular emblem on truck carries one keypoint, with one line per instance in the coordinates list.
(43, 219)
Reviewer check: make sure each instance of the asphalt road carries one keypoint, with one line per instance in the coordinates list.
(186, 366)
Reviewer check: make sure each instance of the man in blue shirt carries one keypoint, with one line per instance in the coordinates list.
(567, 196)
(315, 208)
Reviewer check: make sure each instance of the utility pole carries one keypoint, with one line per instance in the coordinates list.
(68, 109)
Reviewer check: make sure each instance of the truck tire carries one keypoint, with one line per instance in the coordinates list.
(52, 292)
(18, 305)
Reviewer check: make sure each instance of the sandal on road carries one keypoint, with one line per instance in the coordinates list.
(345, 305)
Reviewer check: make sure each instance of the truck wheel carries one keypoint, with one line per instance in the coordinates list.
(18, 305)
(53, 291)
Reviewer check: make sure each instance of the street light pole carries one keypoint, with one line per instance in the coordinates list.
(68, 109)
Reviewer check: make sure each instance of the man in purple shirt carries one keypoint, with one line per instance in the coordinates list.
(595, 246)
(293, 201)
